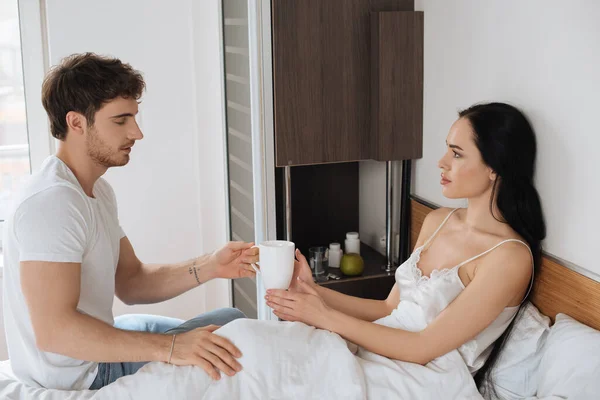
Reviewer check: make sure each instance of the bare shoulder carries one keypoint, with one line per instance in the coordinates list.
(431, 222)
(435, 218)
(512, 259)
(516, 252)
(439, 214)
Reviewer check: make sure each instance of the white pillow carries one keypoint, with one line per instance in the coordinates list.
(570, 365)
(515, 375)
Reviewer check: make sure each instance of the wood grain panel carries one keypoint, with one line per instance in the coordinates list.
(298, 82)
(397, 85)
(418, 212)
(322, 79)
(557, 289)
(392, 5)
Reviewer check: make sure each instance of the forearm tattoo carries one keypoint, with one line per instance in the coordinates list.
(194, 270)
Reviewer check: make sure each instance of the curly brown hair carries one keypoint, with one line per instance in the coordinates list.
(84, 83)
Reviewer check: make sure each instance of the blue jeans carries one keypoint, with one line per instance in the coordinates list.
(110, 372)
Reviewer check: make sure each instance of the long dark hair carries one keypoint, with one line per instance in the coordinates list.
(507, 144)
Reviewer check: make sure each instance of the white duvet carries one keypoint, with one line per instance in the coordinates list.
(281, 360)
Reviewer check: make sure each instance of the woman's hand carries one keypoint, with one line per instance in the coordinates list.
(301, 271)
(304, 305)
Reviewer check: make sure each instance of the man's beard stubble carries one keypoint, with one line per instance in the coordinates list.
(101, 153)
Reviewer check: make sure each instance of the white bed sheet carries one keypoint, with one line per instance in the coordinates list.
(12, 389)
(153, 381)
(281, 361)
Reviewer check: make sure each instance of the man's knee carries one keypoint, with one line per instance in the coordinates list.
(218, 317)
(231, 314)
(132, 322)
(225, 315)
(146, 323)
(221, 316)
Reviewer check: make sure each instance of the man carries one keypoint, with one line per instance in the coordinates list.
(66, 256)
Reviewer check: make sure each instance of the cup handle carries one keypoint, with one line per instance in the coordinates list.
(255, 267)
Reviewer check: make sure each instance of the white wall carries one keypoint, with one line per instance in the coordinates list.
(542, 56)
(372, 204)
(171, 195)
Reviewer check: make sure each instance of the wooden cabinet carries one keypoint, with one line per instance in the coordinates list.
(397, 85)
(323, 83)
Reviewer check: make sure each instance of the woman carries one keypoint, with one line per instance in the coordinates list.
(472, 268)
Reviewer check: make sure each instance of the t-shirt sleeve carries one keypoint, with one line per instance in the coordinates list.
(52, 226)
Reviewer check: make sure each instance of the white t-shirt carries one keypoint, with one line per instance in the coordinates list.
(54, 220)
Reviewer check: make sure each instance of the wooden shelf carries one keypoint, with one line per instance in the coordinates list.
(374, 283)
(373, 263)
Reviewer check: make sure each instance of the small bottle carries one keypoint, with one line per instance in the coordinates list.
(335, 255)
(352, 243)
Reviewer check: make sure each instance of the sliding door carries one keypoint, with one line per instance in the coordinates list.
(249, 122)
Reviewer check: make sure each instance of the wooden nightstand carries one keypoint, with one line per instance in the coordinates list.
(374, 283)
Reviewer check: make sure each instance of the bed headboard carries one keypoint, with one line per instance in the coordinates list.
(557, 289)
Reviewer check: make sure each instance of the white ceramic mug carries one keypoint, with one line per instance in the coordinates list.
(276, 262)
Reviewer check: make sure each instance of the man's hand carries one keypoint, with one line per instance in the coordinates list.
(233, 260)
(207, 350)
